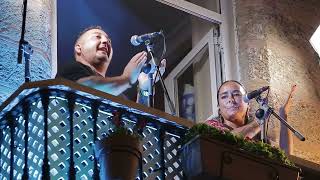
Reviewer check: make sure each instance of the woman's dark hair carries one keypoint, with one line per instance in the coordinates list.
(220, 117)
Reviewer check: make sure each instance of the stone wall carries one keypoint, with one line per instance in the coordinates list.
(274, 50)
(38, 34)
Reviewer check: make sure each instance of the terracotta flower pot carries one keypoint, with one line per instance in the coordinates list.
(119, 157)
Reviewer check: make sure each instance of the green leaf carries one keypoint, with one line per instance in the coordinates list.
(256, 147)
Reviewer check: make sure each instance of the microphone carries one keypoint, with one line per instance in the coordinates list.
(254, 94)
(137, 40)
(146, 68)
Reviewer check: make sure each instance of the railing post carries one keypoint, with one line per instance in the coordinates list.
(162, 156)
(140, 125)
(45, 104)
(25, 111)
(95, 110)
(71, 105)
(1, 140)
(11, 123)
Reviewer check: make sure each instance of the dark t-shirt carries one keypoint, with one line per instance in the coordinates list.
(75, 71)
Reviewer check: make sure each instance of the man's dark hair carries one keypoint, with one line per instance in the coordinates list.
(86, 30)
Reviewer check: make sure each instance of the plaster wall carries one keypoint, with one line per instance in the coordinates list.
(274, 50)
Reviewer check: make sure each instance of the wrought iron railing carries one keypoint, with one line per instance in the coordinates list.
(37, 141)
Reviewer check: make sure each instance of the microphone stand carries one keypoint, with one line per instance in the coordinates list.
(150, 103)
(149, 46)
(171, 106)
(264, 113)
(25, 48)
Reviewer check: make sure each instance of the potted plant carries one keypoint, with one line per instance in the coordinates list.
(211, 153)
(119, 153)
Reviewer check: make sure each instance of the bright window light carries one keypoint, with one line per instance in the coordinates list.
(315, 40)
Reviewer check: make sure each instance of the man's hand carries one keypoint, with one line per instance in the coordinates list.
(143, 77)
(133, 68)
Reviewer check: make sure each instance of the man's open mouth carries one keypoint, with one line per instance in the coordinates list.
(104, 49)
